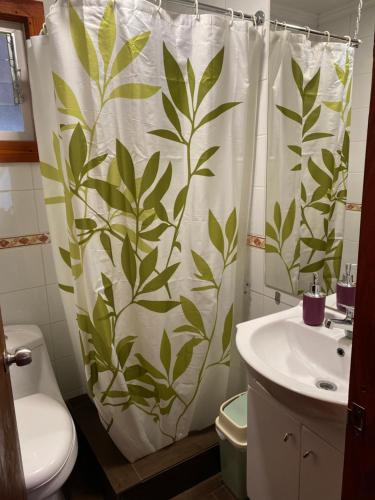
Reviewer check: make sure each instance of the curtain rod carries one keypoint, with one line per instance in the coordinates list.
(354, 42)
(259, 19)
(221, 10)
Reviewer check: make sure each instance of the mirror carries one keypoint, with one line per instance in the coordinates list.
(319, 95)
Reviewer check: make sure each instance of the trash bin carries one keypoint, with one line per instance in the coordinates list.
(231, 426)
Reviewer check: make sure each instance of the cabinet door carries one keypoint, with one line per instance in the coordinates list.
(321, 468)
(273, 450)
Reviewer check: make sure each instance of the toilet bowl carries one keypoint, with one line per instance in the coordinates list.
(46, 430)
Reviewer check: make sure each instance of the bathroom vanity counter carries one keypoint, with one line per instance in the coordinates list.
(297, 406)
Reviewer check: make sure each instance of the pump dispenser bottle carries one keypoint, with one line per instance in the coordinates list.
(314, 303)
(345, 289)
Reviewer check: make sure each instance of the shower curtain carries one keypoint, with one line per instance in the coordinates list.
(145, 123)
(309, 136)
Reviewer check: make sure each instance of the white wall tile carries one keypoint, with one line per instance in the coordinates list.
(256, 269)
(260, 161)
(270, 306)
(357, 156)
(355, 186)
(359, 124)
(349, 254)
(257, 214)
(289, 300)
(37, 177)
(68, 377)
(15, 177)
(352, 226)
(56, 309)
(49, 264)
(361, 90)
(284, 297)
(46, 330)
(17, 213)
(255, 305)
(363, 56)
(41, 211)
(25, 306)
(21, 268)
(263, 108)
(62, 345)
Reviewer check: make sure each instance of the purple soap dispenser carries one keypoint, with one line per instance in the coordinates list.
(314, 303)
(345, 289)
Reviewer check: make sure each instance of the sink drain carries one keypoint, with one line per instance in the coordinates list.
(326, 385)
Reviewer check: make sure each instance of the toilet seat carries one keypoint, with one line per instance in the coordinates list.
(48, 443)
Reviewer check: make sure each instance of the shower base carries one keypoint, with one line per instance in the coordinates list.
(162, 475)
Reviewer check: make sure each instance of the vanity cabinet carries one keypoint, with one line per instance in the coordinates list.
(273, 450)
(321, 468)
(285, 459)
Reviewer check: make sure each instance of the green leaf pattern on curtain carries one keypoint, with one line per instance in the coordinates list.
(137, 220)
(301, 233)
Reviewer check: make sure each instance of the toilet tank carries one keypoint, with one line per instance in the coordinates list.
(38, 376)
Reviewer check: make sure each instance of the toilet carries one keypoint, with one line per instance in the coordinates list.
(46, 430)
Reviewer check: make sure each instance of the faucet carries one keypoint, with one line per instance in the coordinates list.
(347, 323)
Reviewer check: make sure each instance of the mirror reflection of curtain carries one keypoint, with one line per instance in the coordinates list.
(309, 137)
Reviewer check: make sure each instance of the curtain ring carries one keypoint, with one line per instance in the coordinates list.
(328, 36)
(285, 25)
(349, 38)
(231, 16)
(197, 10)
(276, 24)
(242, 15)
(308, 31)
(159, 6)
(43, 31)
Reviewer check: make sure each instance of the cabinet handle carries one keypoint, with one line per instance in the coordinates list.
(286, 437)
(307, 453)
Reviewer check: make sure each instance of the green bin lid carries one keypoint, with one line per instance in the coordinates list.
(236, 410)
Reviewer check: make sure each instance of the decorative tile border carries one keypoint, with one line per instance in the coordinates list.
(354, 207)
(22, 241)
(253, 240)
(256, 241)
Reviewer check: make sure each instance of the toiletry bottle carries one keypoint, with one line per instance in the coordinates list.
(345, 289)
(314, 303)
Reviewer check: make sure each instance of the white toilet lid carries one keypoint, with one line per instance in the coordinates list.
(46, 434)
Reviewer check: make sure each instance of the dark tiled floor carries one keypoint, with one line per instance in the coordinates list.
(81, 487)
(211, 489)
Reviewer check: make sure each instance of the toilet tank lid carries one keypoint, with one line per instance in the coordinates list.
(29, 336)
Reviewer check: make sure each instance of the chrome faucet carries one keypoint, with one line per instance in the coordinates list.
(346, 324)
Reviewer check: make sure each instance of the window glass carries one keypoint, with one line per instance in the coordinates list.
(11, 116)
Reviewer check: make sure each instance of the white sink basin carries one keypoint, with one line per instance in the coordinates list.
(285, 351)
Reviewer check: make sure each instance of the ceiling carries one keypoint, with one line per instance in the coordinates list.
(316, 6)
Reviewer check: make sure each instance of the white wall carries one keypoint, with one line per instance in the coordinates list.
(293, 15)
(29, 292)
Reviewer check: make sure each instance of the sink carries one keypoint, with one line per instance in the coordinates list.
(310, 361)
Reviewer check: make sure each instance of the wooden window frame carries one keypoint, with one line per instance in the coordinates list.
(30, 13)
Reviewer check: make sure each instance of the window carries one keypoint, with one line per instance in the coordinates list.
(15, 103)
(18, 21)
